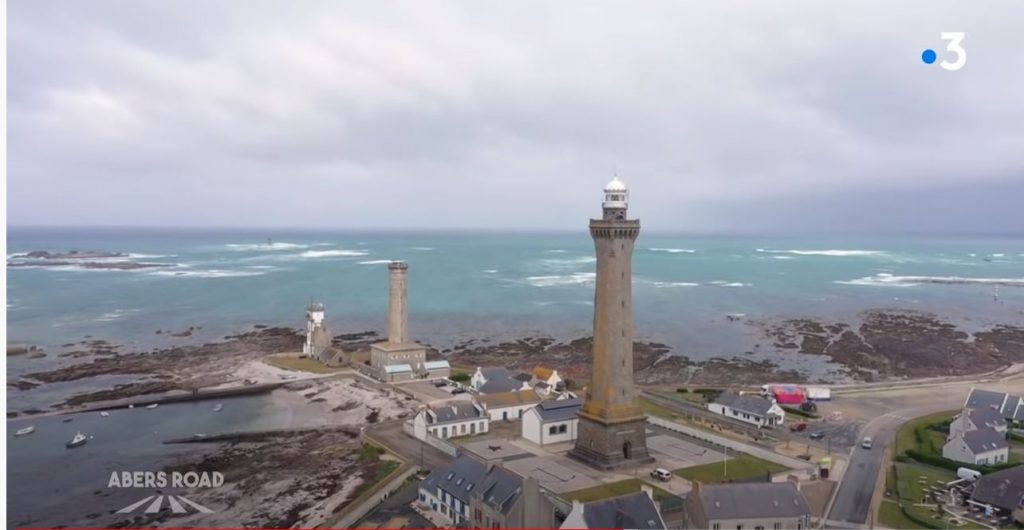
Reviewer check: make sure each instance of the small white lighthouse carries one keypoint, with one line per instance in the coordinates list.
(318, 337)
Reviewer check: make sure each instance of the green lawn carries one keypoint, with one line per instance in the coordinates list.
(906, 439)
(301, 364)
(740, 467)
(904, 481)
(613, 489)
(654, 409)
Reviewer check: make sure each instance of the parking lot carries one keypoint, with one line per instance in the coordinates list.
(675, 453)
(555, 473)
(426, 392)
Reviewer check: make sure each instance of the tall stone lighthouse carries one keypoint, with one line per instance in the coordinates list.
(612, 423)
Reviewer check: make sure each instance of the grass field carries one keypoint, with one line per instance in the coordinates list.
(741, 467)
(613, 489)
(301, 364)
(905, 481)
(654, 409)
(907, 440)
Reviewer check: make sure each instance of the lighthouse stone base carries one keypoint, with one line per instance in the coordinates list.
(608, 446)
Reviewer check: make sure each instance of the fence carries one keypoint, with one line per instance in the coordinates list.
(444, 446)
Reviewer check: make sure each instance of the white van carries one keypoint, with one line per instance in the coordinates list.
(866, 443)
(661, 474)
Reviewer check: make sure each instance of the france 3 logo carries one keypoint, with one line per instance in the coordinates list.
(954, 48)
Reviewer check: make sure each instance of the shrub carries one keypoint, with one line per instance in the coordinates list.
(683, 390)
(460, 377)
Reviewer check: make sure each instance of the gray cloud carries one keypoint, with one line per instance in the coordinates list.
(489, 114)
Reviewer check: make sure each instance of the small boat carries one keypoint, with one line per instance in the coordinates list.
(104, 414)
(78, 440)
(153, 406)
(68, 419)
(199, 435)
(25, 430)
(131, 406)
(218, 407)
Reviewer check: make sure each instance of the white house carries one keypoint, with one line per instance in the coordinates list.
(546, 380)
(980, 446)
(1010, 406)
(506, 406)
(494, 379)
(454, 418)
(552, 422)
(974, 419)
(749, 409)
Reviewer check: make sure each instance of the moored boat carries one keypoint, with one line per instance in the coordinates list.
(77, 441)
(25, 430)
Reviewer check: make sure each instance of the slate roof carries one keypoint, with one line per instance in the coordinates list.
(558, 410)
(454, 412)
(979, 399)
(755, 500)
(986, 417)
(636, 510)
(509, 399)
(500, 488)
(750, 404)
(1012, 408)
(523, 377)
(493, 386)
(459, 478)
(1002, 489)
(984, 440)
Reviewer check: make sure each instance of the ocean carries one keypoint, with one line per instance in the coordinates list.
(461, 286)
(475, 285)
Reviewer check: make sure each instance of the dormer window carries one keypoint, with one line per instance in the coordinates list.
(450, 475)
(458, 482)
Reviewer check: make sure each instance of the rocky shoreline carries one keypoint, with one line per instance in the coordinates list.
(903, 344)
(883, 345)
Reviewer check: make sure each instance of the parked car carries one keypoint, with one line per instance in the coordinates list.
(661, 474)
(798, 427)
(458, 391)
(440, 383)
(866, 442)
(817, 435)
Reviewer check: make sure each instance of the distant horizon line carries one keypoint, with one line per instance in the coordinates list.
(269, 230)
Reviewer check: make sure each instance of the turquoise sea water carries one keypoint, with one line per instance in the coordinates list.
(464, 286)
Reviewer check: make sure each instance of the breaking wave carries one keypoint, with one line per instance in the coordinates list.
(670, 284)
(332, 253)
(249, 247)
(673, 250)
(886, 279)
(579, 278)
(839, 253)
(375, 262)
(723, 283)
(210, 273)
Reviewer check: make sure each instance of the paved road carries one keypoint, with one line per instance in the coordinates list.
(853, 500)
(390, 435)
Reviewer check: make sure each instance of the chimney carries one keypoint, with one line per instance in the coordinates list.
(648, 490)
(398, 317)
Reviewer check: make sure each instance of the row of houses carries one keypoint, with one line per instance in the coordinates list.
(544, 422)
(496, 379)
(472, 493)
(978, 435)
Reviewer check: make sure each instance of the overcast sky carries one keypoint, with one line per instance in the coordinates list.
(746, 116)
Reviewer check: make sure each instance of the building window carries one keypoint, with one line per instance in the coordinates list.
(553, 430)
(562, 428)
(444, 432)
(777, 526)
(715, 527)
(758, 528)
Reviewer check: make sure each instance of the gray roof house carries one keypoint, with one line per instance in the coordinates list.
(750, 505)
(748, 408)
(1003, 489)
(481, 495)
(985, 440)
(493, 379)
(982, 446)
(1009, 405)
(636, 510)
(558, 410)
